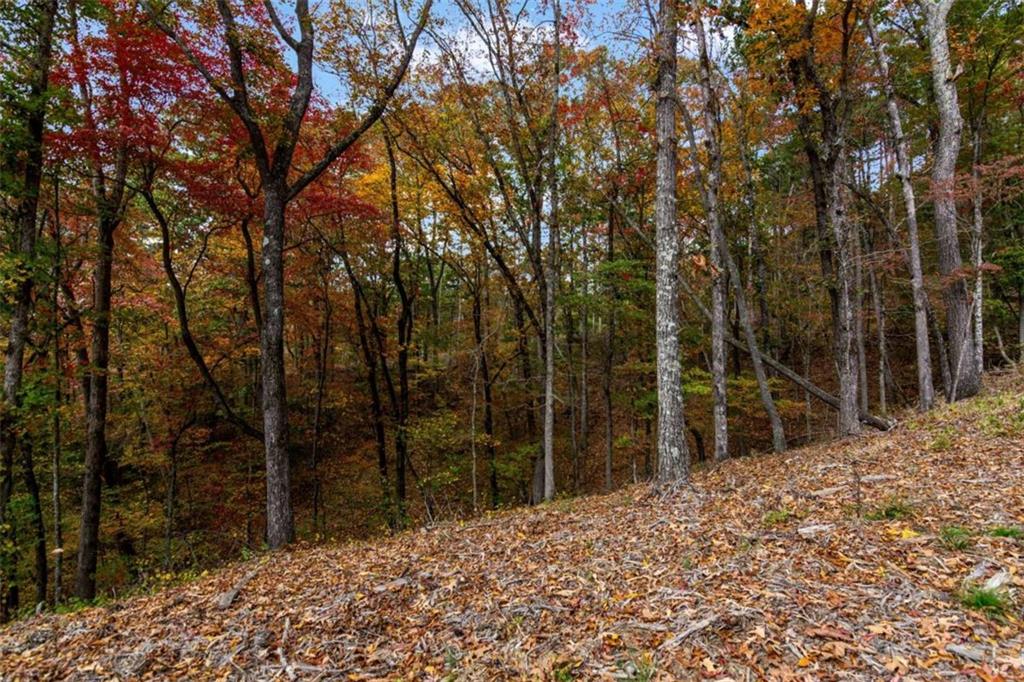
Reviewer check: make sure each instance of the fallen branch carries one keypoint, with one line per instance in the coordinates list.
(225, 599)
(673, 642)
(820, 394)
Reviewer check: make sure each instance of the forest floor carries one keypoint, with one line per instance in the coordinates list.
(897, 555)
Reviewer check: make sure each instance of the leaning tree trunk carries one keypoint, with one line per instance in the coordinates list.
(673, 452)
(925, 387)
(965, 379)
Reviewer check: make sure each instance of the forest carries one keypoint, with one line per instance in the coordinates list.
(290, 272)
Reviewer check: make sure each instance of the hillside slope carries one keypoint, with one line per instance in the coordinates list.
(764, 569)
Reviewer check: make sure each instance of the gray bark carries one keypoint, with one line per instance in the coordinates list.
(925, 387)
(966, 380)
(673, 452)
(551, 275)
(977, 247)
(862, 360)
(878, 305)
(58, 398)
(280, 528)
(722, 256)
(803, 382)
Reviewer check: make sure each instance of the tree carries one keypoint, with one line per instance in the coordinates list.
(925, 389)
(966, 378)
(273, 160)
(121, 72)
(38, 32)
(673, 451)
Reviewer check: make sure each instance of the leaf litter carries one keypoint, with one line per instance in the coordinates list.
(769, 567)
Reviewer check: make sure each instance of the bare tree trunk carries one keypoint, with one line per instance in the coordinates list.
(878, 305)
(710, 182)
(172, 491)
(58, 399)
(673, 452)
(34, 112)
(96, 414)
(966, 381)
(609, 355)
(42, 572)
(480, 336)
(1020, 325)
(858, 319)
(405, 325)
(719, 297)
(977, 247)
(940, 341)
(925, 388)
(170, 505)
(376, 404)
(849, 423)
(722, 256)
(584, 359)
(280, 522)
(323, 352)
(551, 276)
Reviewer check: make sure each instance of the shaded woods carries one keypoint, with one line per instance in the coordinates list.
(275, 272)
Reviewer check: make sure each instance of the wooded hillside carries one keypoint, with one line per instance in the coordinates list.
(277, 272)
(898, 553)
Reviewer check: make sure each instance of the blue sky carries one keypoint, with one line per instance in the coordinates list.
(604, 24)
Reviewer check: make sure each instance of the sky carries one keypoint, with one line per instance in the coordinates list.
(604, 23)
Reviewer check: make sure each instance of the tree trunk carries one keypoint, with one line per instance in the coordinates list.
(376, 404)
(977, 247)
(280, 528)
(480, 337)
(966, 381)
(846, 363)
(878, 304)
(940, 341)
(323, 351)
(96, 415)
(609, 354)
(858, 320)
(34, 112)
(673, 452)
(720, 247)
(925, 388)
(42, 572)
(719, 296)
(405, 323)
(58, 399)
(584, 445)
(551, 276)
